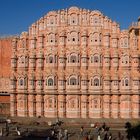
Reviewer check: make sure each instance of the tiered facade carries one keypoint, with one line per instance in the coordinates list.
(76, 63)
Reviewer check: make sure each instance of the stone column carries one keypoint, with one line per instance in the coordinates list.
(31, 105)
(61, 106)
(106, 106)
(114, 106)
(45, 105)
(22, 108)
(39, 105)
(135, 106)
(13, 105)
(125, 108)
(84, 106)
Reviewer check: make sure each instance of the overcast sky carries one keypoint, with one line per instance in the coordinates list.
(17, 15)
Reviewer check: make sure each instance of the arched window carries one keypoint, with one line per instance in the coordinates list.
(95, 37)
(96, 59)
(73, 59)
(72, 81)
(50, 82)
(74, 37)
(96, 82)
(52, 38)
(21, 82)
(125, 82)
(50, 59)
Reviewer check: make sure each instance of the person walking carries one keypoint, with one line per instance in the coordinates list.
(65, 134)
(99, 137)
(106, 137)
(110, 137)
(59, 135)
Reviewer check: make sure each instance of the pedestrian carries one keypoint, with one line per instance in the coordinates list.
(18, 132)
(89, 135)
(82, 131)
(110, 137)
(48, 138)
(106, 137)
(1, 132)
(52, 133)
(120, 136)
(86, 137)
(104, 126)
(99, 137)
(59, 135)
(65, 134)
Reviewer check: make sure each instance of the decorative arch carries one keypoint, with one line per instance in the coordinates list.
(96, 81)
(22, 81)
(74, 58)
(51, 37)
(125, 82)
(73, 80)
(95, 37)
(51, 80)
(74, 36)
(51, 58)
(95, 58)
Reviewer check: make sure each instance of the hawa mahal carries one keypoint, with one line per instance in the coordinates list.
(75, 63)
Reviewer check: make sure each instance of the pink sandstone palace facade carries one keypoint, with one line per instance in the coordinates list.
(76, 63)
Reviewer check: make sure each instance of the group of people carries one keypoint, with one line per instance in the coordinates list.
(58, 134)
(99, 133)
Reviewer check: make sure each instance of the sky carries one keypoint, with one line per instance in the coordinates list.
(17, 15)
